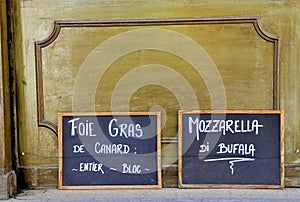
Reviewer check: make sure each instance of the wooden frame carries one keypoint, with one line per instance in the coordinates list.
(94, 114)
(62, 24)
(180, 180)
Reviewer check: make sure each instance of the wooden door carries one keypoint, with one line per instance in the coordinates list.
(150, 56)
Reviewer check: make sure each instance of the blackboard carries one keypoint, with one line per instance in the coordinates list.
(231, 149)
(109, 150)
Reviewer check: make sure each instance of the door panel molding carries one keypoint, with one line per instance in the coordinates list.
(60, 24)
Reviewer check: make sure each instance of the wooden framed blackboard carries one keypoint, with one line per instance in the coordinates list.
(231, 149)
(109, 150)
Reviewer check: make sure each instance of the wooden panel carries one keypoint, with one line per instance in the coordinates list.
(241, 72)
(243, 52)
(7, 175)
(5, 121)
(292, 175)
(42, 177)
(295, 96)
(37, 177)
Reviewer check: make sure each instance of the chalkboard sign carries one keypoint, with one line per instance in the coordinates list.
(231, 149)
(109, 150)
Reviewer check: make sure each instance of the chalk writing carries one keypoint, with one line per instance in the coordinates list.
(204, 148)
(231, 161)
(111, 148)
(81, 128)
(125, 130)
(223, 126)
(131, 169)
(242, 149)
(78, 148)
(91, 167)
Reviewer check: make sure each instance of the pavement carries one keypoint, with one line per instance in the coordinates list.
(161, 195)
